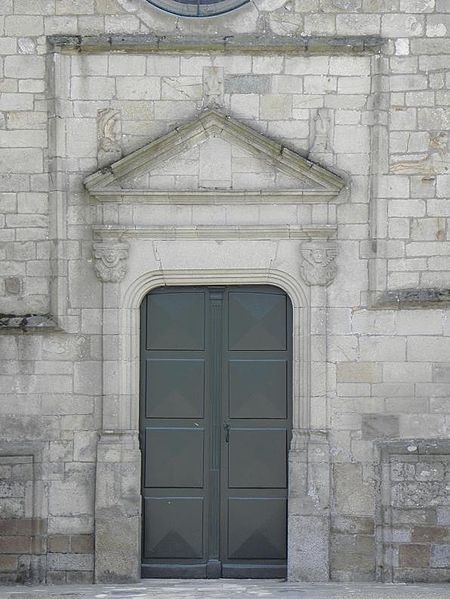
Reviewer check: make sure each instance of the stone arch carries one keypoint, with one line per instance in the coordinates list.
(129, 330)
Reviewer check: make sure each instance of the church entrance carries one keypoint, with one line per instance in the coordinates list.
(215, 422)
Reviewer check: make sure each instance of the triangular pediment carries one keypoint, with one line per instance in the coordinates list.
(213, 156)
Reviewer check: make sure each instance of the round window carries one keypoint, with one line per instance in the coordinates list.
(198, 8)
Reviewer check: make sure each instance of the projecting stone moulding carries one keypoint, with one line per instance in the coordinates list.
(299, 180)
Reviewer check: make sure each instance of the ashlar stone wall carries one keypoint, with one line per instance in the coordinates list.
(373, 109)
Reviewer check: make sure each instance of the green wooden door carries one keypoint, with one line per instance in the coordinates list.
(215, 429)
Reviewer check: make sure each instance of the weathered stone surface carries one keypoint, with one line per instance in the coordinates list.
(415, 480)
(440, 556)
(358, 86)
(378, 426)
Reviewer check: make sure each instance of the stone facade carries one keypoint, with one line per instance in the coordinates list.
(337, 192)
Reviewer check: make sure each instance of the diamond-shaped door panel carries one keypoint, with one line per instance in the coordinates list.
(173, 527)
(176, 321)
(257, 528)
(257, 388)
(174, 457)
(257, 321)
(175, 388)
(257, 458)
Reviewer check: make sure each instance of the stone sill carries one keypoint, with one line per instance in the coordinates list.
(412, 299)
(217, 197)
(215, 232)
(261, 44)
(415, 447)
(27, 323)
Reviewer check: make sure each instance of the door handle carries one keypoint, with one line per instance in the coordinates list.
(226, 428)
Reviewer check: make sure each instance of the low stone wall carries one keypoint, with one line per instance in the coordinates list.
(22, 533)
(28, 553)
(414, 529)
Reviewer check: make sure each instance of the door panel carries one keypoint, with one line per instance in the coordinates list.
(175, 388)
(174, 457)
(257, 321)
(255, 387)
(216, 373)
(257, 529)
(176, 321)
(257, 458)
(173, 527)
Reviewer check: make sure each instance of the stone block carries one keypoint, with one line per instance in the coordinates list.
(117, 548)
(58, 543)
(88, 378)
(414, 556)
(8, 563)
(288, 130)
(320, 24)
(402, 25)
(127, 65)
(319, 84)
(71, 498)
(163, 65)
(354, 496)
(85, 446)
(102, 88)
(417, 6)
(352, 553)
(359, 372)
(353, 525)
(70, 561)
(245, 105)
(268, 64)
(430, 534)
(430, 471)
(23, 25)
(22, 67)
(87, 65)
(308, 549)
(443, 515)
(80, 577)
(406, 372)
(379, 426)
(286, 84)
(82, 543)
(247, 84)
(432, 349)
(27, 160)
(403, 119)
(15, 545)
(276, 107)
(383, 348)
(56, 577)
(367, 24)
(179, 88)
(433, 118)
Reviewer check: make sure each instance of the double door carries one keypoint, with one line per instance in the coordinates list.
(215, 430)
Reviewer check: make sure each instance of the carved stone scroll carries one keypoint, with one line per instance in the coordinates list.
(318, 262)
(110, 260)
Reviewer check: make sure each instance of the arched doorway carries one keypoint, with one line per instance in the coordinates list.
(215, 426)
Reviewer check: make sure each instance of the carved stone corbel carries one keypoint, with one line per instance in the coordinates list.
(110, 260)
(318, 261)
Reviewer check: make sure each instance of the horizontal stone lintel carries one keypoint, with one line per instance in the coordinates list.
(413, 299)
(216, 197)
(206, 232)
(262, 44)
(27, 323)
(414, 447)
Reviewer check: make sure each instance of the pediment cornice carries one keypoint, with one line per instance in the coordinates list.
(315, 183)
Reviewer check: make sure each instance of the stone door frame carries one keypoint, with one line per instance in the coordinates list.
(118, 498)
